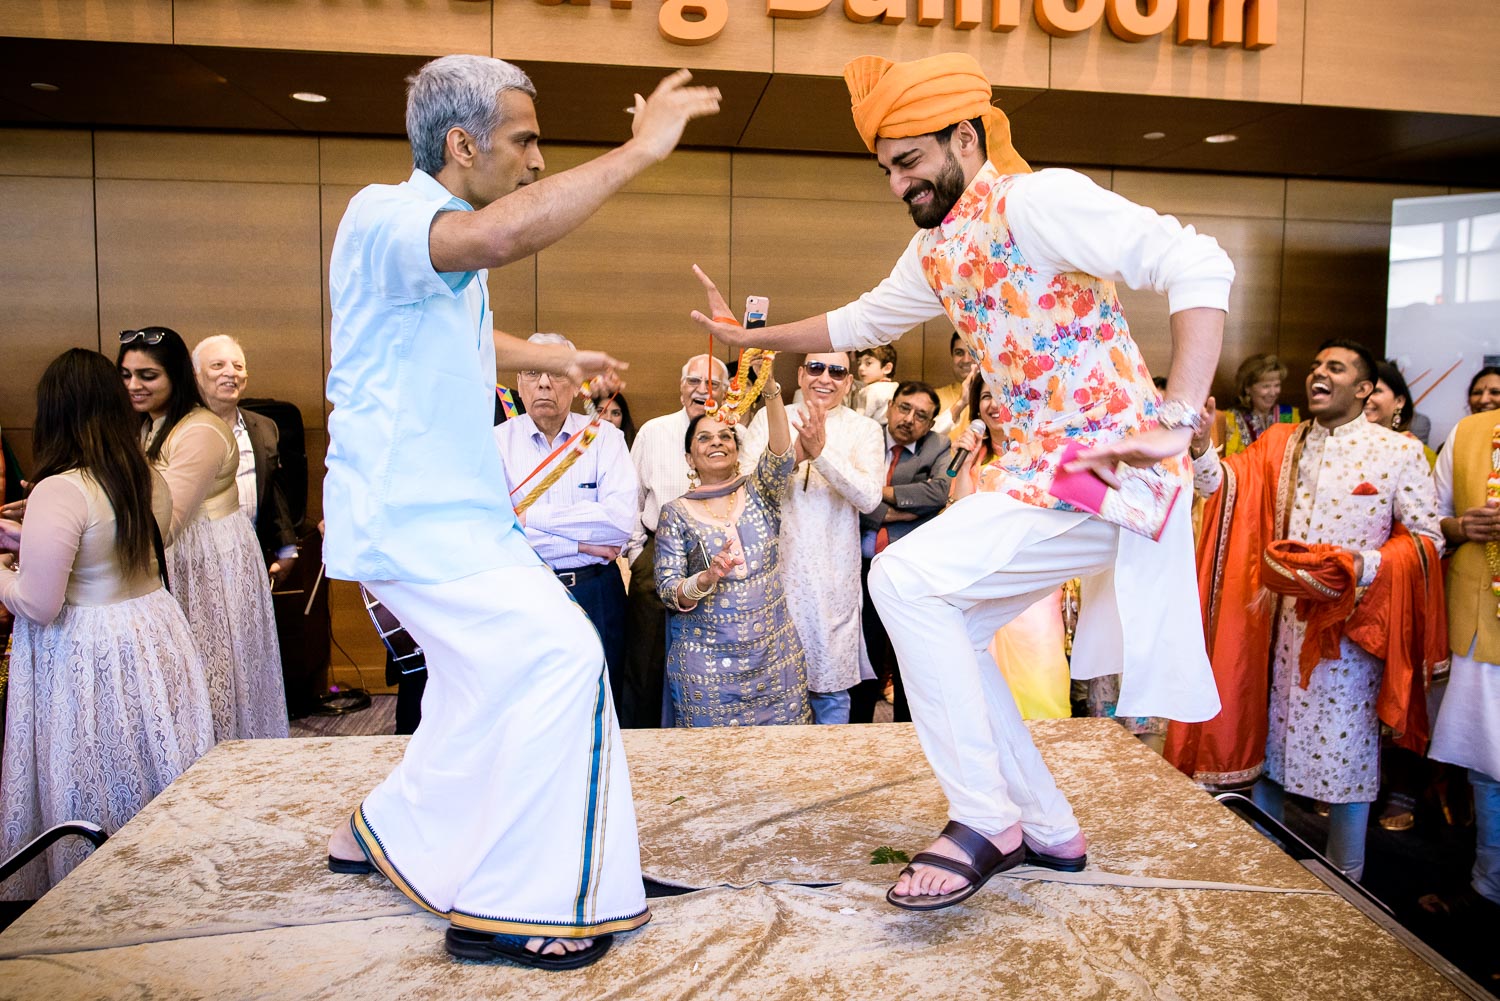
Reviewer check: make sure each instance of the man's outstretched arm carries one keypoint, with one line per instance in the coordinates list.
(538, 215)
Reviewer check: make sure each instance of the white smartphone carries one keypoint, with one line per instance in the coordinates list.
(756, 309)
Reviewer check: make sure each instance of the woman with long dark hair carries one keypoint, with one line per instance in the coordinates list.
(108, 700)
(214, 566)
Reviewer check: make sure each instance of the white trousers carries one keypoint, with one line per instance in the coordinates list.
(511, 811)
(1011, 555)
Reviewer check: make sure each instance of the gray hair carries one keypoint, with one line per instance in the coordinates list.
(697, 360)
(214, 341)
(549, 339)
(461, 91)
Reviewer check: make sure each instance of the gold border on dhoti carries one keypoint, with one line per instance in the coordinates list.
(544, 929)
(370, 842)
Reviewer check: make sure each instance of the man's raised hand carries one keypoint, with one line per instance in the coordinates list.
(660, 118)
(720, 323)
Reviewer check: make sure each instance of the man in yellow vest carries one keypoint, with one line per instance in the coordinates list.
(1468, 723)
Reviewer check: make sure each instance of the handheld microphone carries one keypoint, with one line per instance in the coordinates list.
(961, 454)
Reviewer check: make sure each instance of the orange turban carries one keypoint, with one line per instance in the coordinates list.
(898, 100)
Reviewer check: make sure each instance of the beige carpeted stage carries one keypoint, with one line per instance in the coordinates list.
(219, 890)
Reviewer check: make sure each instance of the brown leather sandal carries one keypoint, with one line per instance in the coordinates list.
(985, 860)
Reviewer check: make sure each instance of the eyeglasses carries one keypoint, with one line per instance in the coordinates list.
(532, 375)
(151, 336)
(920, 416)
(698, 382)
(817, 368)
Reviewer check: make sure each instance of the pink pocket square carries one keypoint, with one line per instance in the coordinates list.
(1365, 490)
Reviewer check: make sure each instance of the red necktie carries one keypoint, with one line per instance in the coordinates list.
(883, 537)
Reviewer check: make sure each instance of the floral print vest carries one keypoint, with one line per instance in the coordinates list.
(1054, 348)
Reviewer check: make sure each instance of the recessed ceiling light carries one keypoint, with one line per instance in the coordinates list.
(49, 88)
(309, 97)
(1222, 137)
(1153, 136)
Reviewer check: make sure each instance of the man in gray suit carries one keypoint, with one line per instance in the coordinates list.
(219, 363)
(916, 490)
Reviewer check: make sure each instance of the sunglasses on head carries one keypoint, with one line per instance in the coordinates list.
(817, 368)
(153, 336)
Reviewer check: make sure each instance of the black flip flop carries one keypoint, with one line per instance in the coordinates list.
(986, 858)
(350, 866)
(463, 943)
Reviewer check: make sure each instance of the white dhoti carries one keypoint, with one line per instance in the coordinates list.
(943, 590)
(511, 811)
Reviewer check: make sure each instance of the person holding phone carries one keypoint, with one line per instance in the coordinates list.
(735, 658)
(1024, 265)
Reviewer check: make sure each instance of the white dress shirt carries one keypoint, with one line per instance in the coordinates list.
(594, 501)
(1062, 222)
(661, 468)
(244, 480)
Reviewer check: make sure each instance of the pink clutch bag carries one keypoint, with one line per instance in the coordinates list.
(1141, 504)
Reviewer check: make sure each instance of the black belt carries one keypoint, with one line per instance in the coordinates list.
(576, 576)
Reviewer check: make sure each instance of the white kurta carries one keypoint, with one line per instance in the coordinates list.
(820, 538)
(1353, 484)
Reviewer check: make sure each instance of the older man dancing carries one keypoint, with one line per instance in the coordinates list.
(510, 814)
(1024, 265)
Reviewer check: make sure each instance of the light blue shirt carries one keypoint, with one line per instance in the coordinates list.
(415, 489)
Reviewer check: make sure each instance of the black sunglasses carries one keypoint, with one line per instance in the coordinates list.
(817, 368)
(153, 336)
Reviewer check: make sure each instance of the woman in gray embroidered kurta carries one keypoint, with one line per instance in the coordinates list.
(735, 659)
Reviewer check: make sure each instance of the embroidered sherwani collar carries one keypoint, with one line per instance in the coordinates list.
(1345, 430)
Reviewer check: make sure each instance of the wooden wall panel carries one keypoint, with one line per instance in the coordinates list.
(93, 20)
(1334, 277)
(1408, 55)
(358, 162)
(415, 27)
(1254, 245)
(685, 172)
(1203, 194)
(46, 153)
(821, 45)
(220, 258)
(623, 282)
(1099, 61)
(47, 258)
(195, 156)
(1344, 201)
(598, 32)
(819, 178)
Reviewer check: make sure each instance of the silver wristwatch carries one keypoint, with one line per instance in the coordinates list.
(1174, 414)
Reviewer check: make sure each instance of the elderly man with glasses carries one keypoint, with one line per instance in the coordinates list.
(585, 519)
(839, 473)
(662, 472)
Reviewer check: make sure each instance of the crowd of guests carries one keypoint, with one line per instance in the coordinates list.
(748, 535)
(717, 559)
(143, 630)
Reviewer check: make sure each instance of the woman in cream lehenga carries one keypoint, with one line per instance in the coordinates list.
(108, 702)
(214, 566)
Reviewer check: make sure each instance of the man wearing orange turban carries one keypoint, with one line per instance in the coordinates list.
(1323, 614)
(1024, 266)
